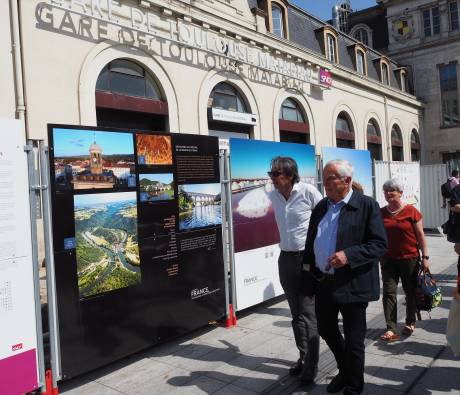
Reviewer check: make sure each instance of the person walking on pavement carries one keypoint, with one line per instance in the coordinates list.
(345, 240)
(454, 229)
(293, 202)
(446, 190)
(404, 227)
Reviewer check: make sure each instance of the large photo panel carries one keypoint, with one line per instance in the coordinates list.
(255, 231)
(253, 217)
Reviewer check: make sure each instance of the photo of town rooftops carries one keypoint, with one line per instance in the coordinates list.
(91, 159)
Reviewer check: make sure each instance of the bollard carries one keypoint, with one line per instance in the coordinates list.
(48, 383)
(229, 320)
(234, 321)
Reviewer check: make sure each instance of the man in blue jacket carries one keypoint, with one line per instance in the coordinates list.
(345, 240)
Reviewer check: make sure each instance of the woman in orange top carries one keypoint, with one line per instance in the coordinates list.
(404, 228)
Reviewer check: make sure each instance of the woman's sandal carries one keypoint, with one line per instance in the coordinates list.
(389, 336)
(408, 330)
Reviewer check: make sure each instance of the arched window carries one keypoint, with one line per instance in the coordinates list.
(224, 101)
(293, 126)
(414, 146)
(397, 153)
(362, 35)
(345, 135)
(127, 78)
(277, 20)
(127, 96)
(290, 111)
(224, 96)
(374, 139)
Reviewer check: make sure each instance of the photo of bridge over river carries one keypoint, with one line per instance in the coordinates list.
(107, 246)
(254, 224)
(199, 205)
(156, 187)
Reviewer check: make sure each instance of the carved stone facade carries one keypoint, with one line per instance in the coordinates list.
(429, 42)
(188, 48)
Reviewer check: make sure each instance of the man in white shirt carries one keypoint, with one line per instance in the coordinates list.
(293, 202)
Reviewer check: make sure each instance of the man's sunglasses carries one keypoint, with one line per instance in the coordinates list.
(274, 173)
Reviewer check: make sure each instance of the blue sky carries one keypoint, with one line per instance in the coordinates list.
(361, 161)
(323, 8)
(212, 189)
(101, 198)
(251, 158)
(165, 178)
(74, 142)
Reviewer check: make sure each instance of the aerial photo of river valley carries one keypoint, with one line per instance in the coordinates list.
(107, 245)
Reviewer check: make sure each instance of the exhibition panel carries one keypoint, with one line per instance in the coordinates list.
(21, 347)
(137, 240)
(255, 231)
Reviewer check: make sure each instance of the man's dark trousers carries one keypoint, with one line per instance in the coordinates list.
(302, 304)
(349, 351)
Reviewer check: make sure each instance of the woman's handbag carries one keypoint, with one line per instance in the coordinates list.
(427, 293)
(453, 326)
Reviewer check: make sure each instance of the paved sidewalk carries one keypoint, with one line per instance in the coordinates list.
(255, 356)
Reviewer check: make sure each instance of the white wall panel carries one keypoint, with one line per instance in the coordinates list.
(432, 176)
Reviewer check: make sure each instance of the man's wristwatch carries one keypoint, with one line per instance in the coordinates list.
(425, 257)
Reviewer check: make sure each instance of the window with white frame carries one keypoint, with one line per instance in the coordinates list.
(431, 21)
(453, 15)
(331, 46)
(362, 35)
(403, 81)
(449, 94)
(360, 65)
(385, 74)
(277, 20)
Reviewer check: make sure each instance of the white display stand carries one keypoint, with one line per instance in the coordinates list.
(256, 276)
(19, 348)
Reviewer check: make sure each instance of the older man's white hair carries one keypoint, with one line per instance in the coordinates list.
(344, 168)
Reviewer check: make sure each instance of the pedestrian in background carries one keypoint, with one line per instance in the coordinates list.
(356, 186)
(454, 220)
(345, 240)
(293, 202)
(448, 187)
(404, 229)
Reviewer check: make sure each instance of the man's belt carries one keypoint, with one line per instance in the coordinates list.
(294, 253)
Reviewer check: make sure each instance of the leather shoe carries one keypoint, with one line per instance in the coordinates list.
(337, 384)
(297, 368)
(307, 376)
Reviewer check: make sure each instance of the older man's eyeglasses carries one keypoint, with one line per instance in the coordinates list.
(332, 178)
(274, 173)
